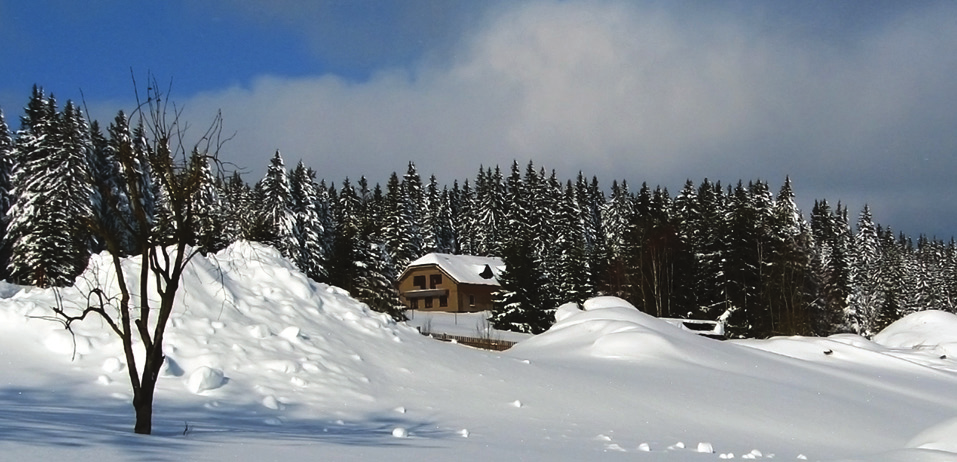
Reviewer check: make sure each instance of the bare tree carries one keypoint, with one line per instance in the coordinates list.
(139, 311)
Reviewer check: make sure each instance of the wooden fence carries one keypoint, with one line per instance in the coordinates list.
(477, 342)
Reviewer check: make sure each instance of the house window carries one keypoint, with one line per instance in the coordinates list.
(471, 300)
(419, 281)
(414, 303)
(434, 280)
(428, 302)
(443, 301)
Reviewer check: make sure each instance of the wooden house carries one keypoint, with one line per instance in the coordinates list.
(453, 283)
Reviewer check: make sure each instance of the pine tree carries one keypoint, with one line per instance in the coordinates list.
(573, 274)
(867, 295)
(460, 214)
(148, 195)
(341, 267)
(688, 227)
(618, 218)
(237, 205)
(446, 238)
(745, 317)
(831, 270)
(276, 217)
(891, 279)
(325, 213)
(490, 225)
(413, 201)
(309, 228)
(399, 228)
(788, 270)
(710, 280)
(519, 304)
(208, 220)
(50, 242)
(359, 264)
(438, 231)
(7, 156)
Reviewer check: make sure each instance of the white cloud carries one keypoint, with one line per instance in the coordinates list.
(623, 91)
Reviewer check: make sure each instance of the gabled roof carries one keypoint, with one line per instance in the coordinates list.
(464, 269)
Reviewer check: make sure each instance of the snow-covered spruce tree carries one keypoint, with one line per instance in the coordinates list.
(326, 214)
(591, 199)
(446, 237)
(7, 155)
(520, 304)
(237, 206)
(617, 222)
(102, 170)
(573, 273)
(658, 251)
(831, 269)
(743, 265)
(53, 193)
(208, 220)
(412, 200)
(430, 218)
(276, 220)
(346, 229)
(139, 312)
(374, 283)
(932, 287)
(397, 223)
(787, 275)
(357, 263)
(402, 218)
(461, 200)
(309, 228)
(438, 231)
(711, 243)
(687, 222)
(490, 221)
(867, 295)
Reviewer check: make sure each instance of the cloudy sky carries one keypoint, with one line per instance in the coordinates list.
(855, 100)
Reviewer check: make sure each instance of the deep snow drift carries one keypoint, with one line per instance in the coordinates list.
(264, 364)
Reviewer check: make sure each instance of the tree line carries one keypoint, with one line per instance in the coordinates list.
(738, 253)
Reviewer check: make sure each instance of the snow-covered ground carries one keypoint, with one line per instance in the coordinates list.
(265, 365)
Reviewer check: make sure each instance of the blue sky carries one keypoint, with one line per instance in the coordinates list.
(853, 99)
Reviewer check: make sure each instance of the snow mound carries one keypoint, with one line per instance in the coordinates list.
(205, 378)
(247, 325)
(932, 329)
(938, 437)
(257, 353)
(610, 327)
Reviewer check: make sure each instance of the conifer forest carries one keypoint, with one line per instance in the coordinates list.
(737, 252)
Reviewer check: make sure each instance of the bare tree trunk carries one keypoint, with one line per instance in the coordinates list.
(143, 406)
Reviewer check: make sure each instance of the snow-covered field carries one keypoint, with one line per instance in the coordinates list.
(265, 365)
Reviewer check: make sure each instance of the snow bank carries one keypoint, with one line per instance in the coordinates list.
(931, 330)
(610, 327)
(263, 363)
(940, 437)
(247, 325)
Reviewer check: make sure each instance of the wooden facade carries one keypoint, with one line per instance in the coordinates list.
(453, 283)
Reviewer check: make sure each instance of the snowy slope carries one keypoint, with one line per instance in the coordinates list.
(267, 365)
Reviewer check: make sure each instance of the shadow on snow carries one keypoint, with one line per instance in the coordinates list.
(49, 417)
